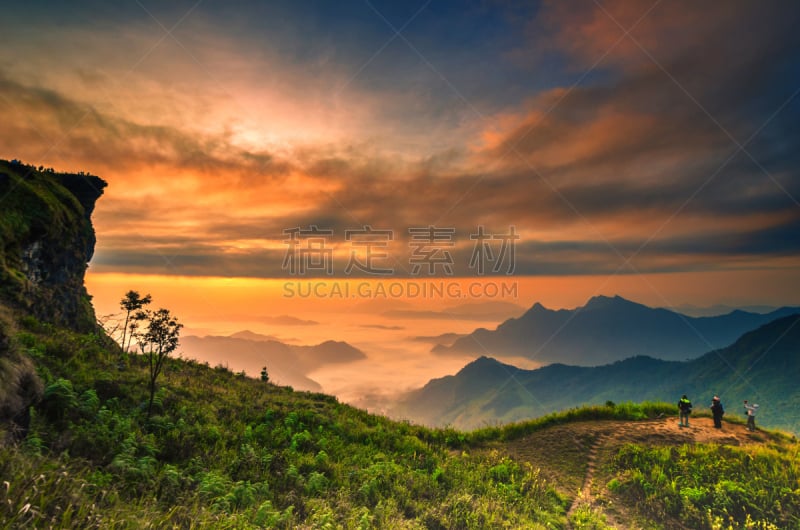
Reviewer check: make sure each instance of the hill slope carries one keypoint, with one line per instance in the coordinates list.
(607, 330)
(223, 450)
(762, 366)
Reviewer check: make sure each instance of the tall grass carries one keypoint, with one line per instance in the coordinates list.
(225, 451)
(222, 450)
(713, 486)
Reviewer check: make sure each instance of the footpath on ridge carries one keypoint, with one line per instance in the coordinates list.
(570, 455)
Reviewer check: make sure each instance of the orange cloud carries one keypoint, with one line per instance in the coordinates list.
(618, 161)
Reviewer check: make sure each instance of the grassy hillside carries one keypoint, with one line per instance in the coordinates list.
(226, 451)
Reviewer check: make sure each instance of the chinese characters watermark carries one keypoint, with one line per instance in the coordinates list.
(307, 251)
(310, 250)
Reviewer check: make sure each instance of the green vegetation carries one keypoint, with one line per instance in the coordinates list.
(712, 486)
(45, 241)
(156, 342)
(587, 518)
(132, 304)
(225, 451)
(32, 205)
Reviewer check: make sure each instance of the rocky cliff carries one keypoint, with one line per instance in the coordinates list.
(46, 241)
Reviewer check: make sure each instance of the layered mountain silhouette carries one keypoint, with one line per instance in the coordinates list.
(762, 366)
(286, 364)
(609, 329)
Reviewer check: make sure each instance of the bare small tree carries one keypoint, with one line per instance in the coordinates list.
(158, 338)
(132, 304)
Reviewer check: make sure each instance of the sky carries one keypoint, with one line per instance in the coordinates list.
(563, 150)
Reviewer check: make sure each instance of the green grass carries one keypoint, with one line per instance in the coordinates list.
(709, 486)
(225, 451)
(222, 450)
(587, 518)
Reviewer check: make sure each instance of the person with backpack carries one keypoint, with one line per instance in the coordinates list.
(684, 409)
(750, 410)
(717, 411)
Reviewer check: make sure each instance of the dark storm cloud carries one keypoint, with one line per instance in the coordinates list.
(190, 260)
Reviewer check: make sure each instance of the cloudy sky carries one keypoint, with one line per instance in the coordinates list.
(620, 139)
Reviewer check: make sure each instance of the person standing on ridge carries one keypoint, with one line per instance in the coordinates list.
(750, 410)
(684, 409)
(717, 411)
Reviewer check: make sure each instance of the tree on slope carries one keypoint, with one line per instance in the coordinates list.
(157, 339)
(132, 304)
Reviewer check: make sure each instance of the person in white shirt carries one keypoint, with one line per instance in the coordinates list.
(750, 410)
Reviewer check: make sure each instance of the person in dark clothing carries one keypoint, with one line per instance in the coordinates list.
(717, 411)
(684, 409)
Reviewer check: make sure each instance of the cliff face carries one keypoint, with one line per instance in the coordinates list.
(46, 241)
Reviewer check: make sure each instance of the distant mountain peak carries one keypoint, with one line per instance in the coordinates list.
(601, 297)
(338, 346)
(606, 329)
(484, 365)
(483, 360)
(602, 301)
(253, 336)
(535, 310)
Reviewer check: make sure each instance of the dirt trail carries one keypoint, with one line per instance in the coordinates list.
(585, 495)
(571, 456)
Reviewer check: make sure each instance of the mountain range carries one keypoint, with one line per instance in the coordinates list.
(609, 329)
(761, 366)
(287, 364)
